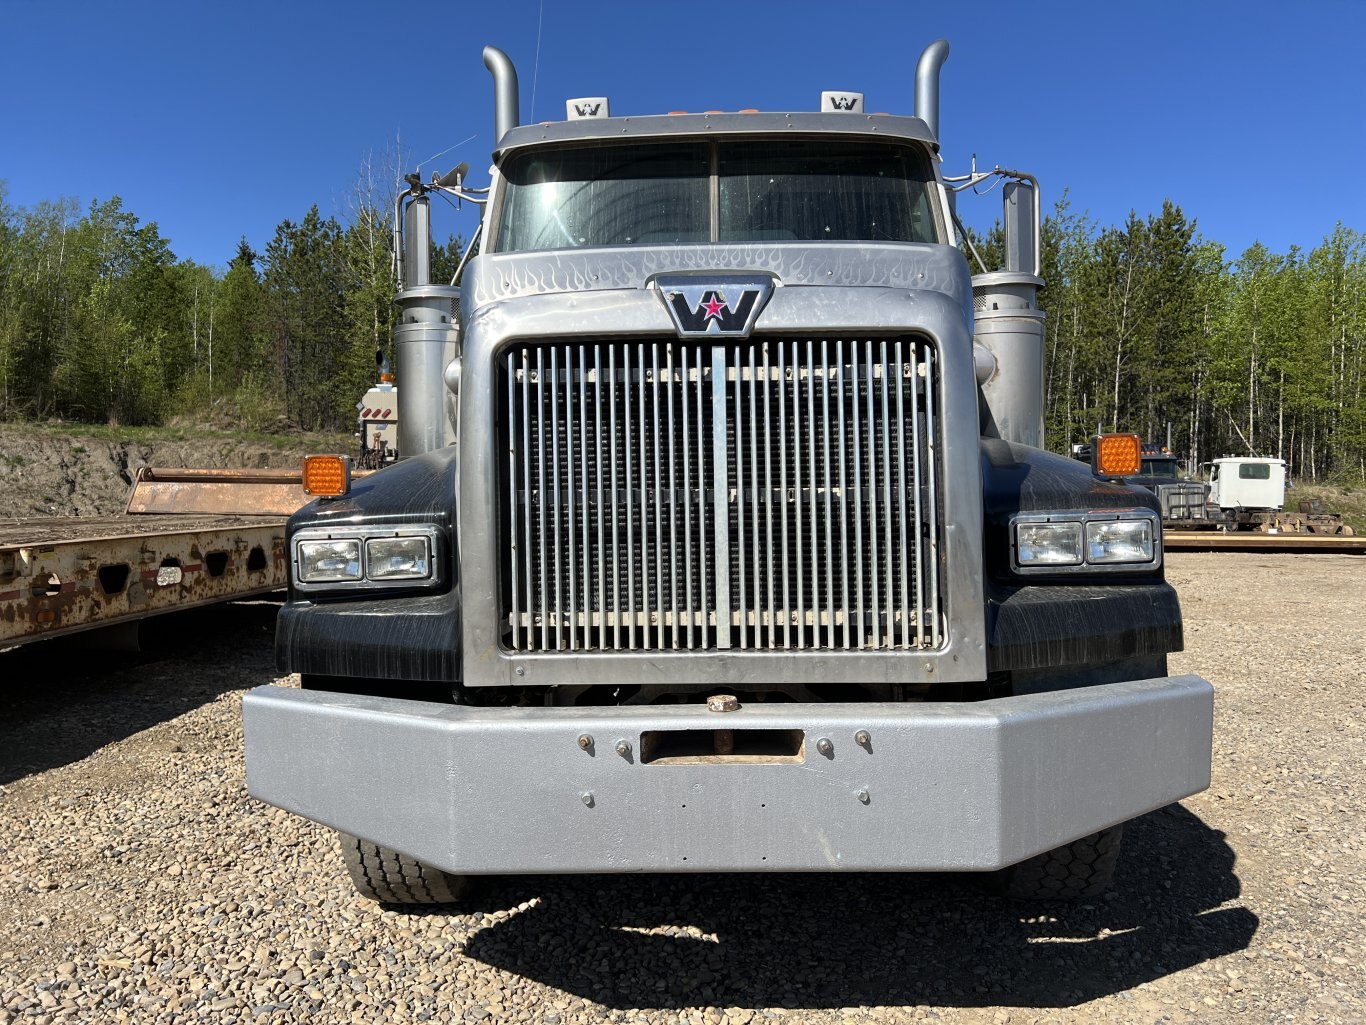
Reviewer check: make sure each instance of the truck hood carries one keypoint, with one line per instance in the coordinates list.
(496, 277)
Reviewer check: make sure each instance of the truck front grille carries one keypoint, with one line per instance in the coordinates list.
(771, 494)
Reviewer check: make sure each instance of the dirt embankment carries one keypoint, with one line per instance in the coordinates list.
(46, 471)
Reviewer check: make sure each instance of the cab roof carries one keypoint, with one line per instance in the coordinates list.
(894, 127)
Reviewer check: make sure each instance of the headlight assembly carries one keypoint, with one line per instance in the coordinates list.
(1119, 541)
(1048, 544)
(328, 561)
(1099, 541)
(398, 558)
(366, 557)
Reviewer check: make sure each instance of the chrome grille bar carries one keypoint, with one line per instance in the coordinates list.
(775, 494)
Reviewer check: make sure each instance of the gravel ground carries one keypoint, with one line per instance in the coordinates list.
(139, 883)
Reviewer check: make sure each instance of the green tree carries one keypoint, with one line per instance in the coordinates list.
(304, 304)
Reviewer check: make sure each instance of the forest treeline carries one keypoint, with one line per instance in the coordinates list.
(99, 321)
(1148, 324)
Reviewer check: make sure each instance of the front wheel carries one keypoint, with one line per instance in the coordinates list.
(1083, 868)
(392, 878)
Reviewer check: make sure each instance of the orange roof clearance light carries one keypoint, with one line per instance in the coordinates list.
(327, 476)
(1117, 455)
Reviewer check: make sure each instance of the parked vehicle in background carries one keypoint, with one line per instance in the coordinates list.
(1183, 501)
(377, 420)
(1248, 493)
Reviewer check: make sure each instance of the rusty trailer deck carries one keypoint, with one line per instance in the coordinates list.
(63, 575)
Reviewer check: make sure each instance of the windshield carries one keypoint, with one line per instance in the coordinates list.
(1159, 467)
(822, 189)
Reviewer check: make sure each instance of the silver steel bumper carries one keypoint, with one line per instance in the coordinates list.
(937, 786)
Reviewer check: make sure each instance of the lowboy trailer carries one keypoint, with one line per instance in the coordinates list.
(187, 538)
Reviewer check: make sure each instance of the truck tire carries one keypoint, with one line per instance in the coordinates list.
(1083, 868)
(392, 878)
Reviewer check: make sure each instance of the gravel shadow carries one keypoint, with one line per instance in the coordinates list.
(61, 700)
(848, 940)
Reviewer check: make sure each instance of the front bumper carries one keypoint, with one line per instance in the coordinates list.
(937, 786)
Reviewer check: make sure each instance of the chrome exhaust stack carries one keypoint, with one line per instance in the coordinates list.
(927, 83)
(427, 337)
(506, 101)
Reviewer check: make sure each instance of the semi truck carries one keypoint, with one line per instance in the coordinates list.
(1183, 502)
(722, 537)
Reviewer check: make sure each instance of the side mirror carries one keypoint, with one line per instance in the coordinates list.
(1022, 226)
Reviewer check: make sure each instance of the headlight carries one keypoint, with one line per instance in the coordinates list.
(1119, 541)
(1085, 541)
(1048, 544)
(328, 561)
(398, 558)
(360, 556)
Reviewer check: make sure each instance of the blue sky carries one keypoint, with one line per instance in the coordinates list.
(219, 121)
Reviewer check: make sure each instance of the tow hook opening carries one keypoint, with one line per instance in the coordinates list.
(709, 747)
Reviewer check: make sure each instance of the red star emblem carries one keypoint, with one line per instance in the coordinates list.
(713, 306)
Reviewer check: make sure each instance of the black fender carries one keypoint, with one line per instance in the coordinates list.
(1067, 619)
(389, 635)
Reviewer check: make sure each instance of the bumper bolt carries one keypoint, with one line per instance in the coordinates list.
(587, 798)
(825, 747)
(863, 739)
(863, 796)
(623, 749)
(585, 741)
(722, 703)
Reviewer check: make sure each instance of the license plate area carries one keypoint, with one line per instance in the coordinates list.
(722, 747)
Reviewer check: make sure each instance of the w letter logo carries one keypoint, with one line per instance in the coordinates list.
(586, 106)
(713, 307)
(851, 103)
(714, 304)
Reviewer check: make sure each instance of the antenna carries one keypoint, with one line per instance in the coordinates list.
(536, 68)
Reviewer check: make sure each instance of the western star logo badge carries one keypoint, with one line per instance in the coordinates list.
(724, 305)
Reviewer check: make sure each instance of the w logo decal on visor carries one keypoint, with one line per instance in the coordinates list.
(715, 305)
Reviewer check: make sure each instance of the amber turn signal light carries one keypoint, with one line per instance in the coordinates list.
(327, 476)
(1117, 455)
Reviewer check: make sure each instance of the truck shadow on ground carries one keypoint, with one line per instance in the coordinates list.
(61, 700)
(848, 940)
